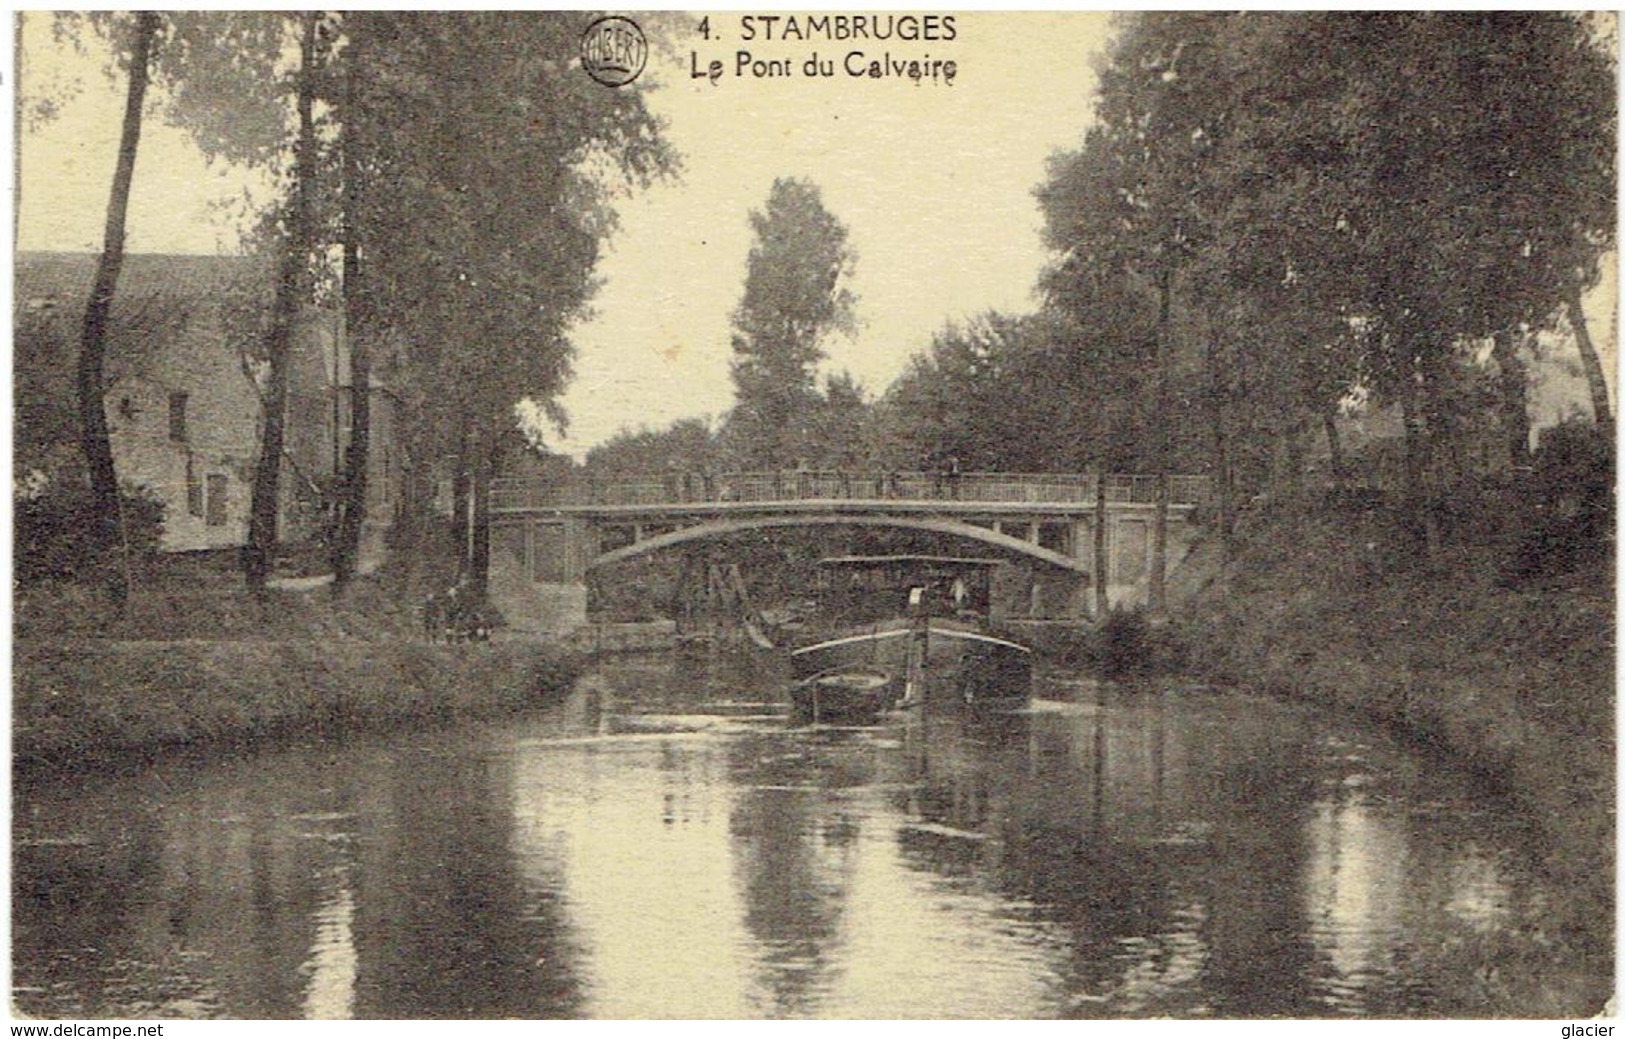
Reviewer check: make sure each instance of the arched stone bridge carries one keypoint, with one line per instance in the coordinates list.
(546, 537)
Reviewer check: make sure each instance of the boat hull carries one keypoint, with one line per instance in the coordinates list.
(938, 663)
(845, 696)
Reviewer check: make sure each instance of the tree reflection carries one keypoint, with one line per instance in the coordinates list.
(794, 845)
(445, 925)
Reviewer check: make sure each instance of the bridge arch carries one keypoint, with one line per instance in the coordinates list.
(955, 528)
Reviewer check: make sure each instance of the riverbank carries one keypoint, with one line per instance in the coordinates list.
(101, 700)
(1516, 682)
(234, 671)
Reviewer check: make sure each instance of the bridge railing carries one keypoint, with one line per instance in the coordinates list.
(681, 488)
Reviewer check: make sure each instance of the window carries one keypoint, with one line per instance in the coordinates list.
(194, 491)
(177, 417)
(217, 500)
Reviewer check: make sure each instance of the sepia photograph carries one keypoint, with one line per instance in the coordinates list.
(766, 514)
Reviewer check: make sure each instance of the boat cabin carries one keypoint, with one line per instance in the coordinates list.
(868, 589)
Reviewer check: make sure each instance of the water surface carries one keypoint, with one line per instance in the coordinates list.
(664, 843)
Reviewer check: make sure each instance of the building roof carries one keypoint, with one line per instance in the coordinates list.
(156, 295)
(48, 278)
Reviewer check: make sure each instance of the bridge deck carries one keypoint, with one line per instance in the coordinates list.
(821, 491)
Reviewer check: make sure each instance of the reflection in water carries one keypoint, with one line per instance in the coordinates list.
(330, 993)
(455, 931)
(1355, 863)
(794, 848)
(632, 840)
(1477, 892)
(663, 844)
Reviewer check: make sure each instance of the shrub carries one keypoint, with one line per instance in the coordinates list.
(1569, 505)
(1125, 643)
(57, 536)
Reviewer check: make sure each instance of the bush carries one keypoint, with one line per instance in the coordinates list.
(58, 536)
(1125, 644)
(1569, 504)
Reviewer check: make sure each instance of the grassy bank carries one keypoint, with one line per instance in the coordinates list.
(74, 701)
(1517, 682)
(212, 666)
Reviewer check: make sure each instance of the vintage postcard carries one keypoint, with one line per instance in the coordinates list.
(781, 514)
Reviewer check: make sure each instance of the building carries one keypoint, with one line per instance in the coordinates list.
(184, 391)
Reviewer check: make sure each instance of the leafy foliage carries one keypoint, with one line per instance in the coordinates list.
(57, 536)
(488, 169)
(795, 294)
(1345, 206)
(687, 445)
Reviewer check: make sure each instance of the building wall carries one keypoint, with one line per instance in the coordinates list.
(320, 407)
(220, 439)
(205, 475)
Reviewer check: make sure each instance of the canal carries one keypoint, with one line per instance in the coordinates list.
(663, 843)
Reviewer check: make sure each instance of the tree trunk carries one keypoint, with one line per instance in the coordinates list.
(1588, 359)
(357, 327)
(93, 435)
(1513, 383)
(1102, 564)
(1334, 447)
(1291, 470)
(1159, 550)
(479, 567)
(1418, 470)
(1221, 446)
(462, 501)
(1158, 592)
(291, 282)
(462, 514)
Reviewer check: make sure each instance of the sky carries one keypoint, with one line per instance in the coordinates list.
(934, 182)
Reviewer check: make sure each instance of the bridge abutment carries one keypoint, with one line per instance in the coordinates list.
(538, 573)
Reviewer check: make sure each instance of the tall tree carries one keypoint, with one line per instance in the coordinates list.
(358, 323)
(991, 393)
(1351, 201)
(488, 168)
(795, 294)
(1103, 305)
(292, 294)
(94, 442)
(218, 74)
(1156, 131)
(1477, 147)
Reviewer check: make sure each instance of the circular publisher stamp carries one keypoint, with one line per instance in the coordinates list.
(614, 50)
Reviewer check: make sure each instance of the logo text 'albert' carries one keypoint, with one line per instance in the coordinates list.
(614, 51)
